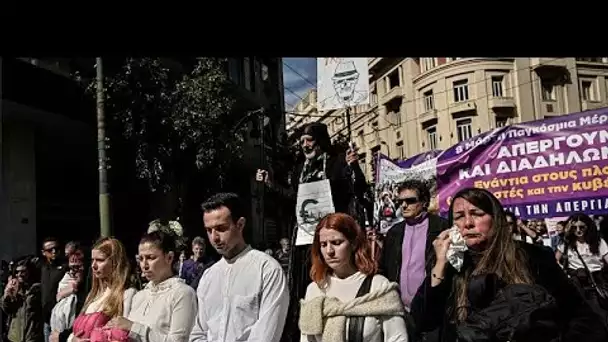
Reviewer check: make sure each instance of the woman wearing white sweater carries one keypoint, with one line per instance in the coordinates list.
(165, 310)
(347, 301)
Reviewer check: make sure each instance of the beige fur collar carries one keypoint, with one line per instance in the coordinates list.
(384, 301)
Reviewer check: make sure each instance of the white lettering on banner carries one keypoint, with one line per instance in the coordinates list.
(525, 159)
(540, 146)
(537, 209)
(563, 207)
(591, 120)
(594, 120)
(582, 205)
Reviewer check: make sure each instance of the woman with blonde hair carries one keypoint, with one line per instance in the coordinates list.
(347, 300)
(110, 296)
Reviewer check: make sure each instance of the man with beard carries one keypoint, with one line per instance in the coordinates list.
(347, 182)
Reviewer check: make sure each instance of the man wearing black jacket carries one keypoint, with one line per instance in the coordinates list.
(409, 244)
(52, 270)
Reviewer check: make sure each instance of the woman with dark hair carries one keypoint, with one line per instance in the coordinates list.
(584, 254)
(347, 300)
(505, 290)
(165, 310)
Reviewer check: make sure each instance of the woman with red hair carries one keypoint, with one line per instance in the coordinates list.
(347, 300)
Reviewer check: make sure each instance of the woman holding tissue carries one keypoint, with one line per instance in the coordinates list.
(484, 286)
(347, 301)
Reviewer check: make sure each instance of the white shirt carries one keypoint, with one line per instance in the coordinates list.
(242, 299)
(593, 261)
(164, 312)
(97, 304)
(375, 329)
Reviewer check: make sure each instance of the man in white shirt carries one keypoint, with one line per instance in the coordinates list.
(244, 296)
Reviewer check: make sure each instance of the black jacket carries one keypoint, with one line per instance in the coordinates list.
(391, 257)
(343, 189)
(50, 276)
(431, 306)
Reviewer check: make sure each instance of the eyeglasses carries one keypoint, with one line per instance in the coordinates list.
(579, 227)
(406, 200)
(51, 249)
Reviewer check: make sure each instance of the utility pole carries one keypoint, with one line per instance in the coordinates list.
(104, 196)
(348, 127)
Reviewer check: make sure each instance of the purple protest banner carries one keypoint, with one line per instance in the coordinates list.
(419, 158)
(545, 168)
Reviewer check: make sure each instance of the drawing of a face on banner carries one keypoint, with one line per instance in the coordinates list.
(342, 83)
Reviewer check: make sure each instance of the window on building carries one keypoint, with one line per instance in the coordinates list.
(247, 73)
(264, 71)
(393, 112)
(428, 101)
(400, 149)
(548, 90)
(590, 59)
(235, 70)
(461, 91)
(587, 91)
(431, 137)
(497, 86)
(464, 128)
(501, 121)
(393, 80)
(427, 63)
(362, 162)
(375, 129)
(373, 97)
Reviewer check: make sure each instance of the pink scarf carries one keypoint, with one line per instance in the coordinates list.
(90, 326)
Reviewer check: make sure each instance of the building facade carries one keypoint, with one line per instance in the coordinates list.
(418, 104)
(44, 190)
(259, 84)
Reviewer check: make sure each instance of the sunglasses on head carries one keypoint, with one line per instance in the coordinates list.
(406, 200)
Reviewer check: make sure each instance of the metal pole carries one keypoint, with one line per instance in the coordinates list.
(104, 196)
(264, 167)
(348, 127)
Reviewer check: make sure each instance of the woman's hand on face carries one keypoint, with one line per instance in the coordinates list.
(441, 245)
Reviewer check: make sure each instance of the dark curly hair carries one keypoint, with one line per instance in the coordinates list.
(421, 188)
(592, 235)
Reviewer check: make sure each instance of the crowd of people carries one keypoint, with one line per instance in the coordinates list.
(481, 274)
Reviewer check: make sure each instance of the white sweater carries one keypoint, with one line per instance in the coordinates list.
(376, 329)
(164, 312)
